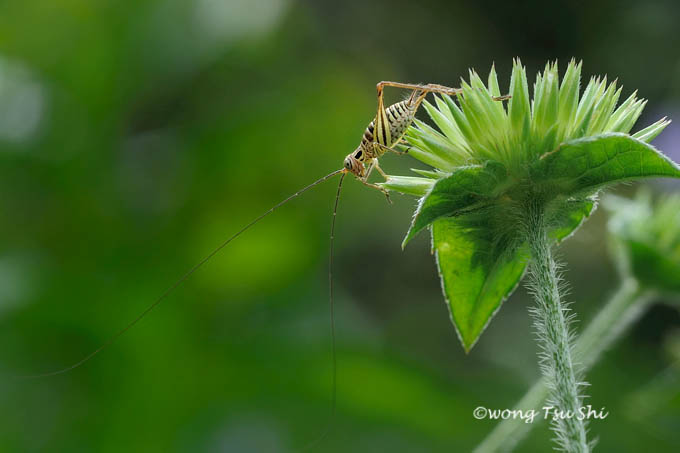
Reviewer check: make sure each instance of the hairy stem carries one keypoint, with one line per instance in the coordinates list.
(625, 307)
(552, 327)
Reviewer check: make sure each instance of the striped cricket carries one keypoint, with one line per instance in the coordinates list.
(387, 130)
(382, 135)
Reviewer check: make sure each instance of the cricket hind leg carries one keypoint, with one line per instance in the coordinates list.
(429, 87)
(417, 97)
(436, 88)
(382, 132)
(419, 90)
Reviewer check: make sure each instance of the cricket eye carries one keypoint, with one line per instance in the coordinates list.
(348, 164)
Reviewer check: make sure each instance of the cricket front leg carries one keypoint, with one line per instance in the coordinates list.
(380, 170)
(377, 187)
(364, 179)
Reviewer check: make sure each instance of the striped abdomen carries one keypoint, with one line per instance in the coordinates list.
(398, 117)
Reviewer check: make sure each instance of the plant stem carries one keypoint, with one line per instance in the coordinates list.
(552, 327)
(625, 307)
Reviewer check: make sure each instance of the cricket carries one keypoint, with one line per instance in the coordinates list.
(381, 136)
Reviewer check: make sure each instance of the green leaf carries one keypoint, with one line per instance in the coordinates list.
(569, 91)
(494, 89)
(462, 122)
(586, 106)
(653, 269)
(432, 174)
(411, 185)
(650, 132)
(439, 144)
(519, 108)
(447, 126)
(604, 109)
(584, 165)
(646, 235)
(627, 114)
(423, 154)
(546, 100)
(477, 272)
(465, 188)
(568, 215)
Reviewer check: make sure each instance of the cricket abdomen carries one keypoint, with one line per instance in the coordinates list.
(399, 117)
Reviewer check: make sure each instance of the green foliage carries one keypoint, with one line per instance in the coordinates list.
(410, 185)
(491, 162)
(464, 190)
(553, 332)
(165, 126)
(584, 165)
(637, 224)
(481, 129)
(490, 271)
(647, 237)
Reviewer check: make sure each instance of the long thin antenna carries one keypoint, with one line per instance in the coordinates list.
(182, 279)
(331, 305)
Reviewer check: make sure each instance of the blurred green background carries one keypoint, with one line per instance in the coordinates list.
(136, 136)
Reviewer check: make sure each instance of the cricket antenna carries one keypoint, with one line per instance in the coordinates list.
(331, 306)
(187, 275)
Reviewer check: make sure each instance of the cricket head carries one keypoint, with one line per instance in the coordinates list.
(353, 164)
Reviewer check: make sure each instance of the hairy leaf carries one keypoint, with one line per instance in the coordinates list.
(584, 165)
(477, 272)
(568, 215)
(465, 188)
